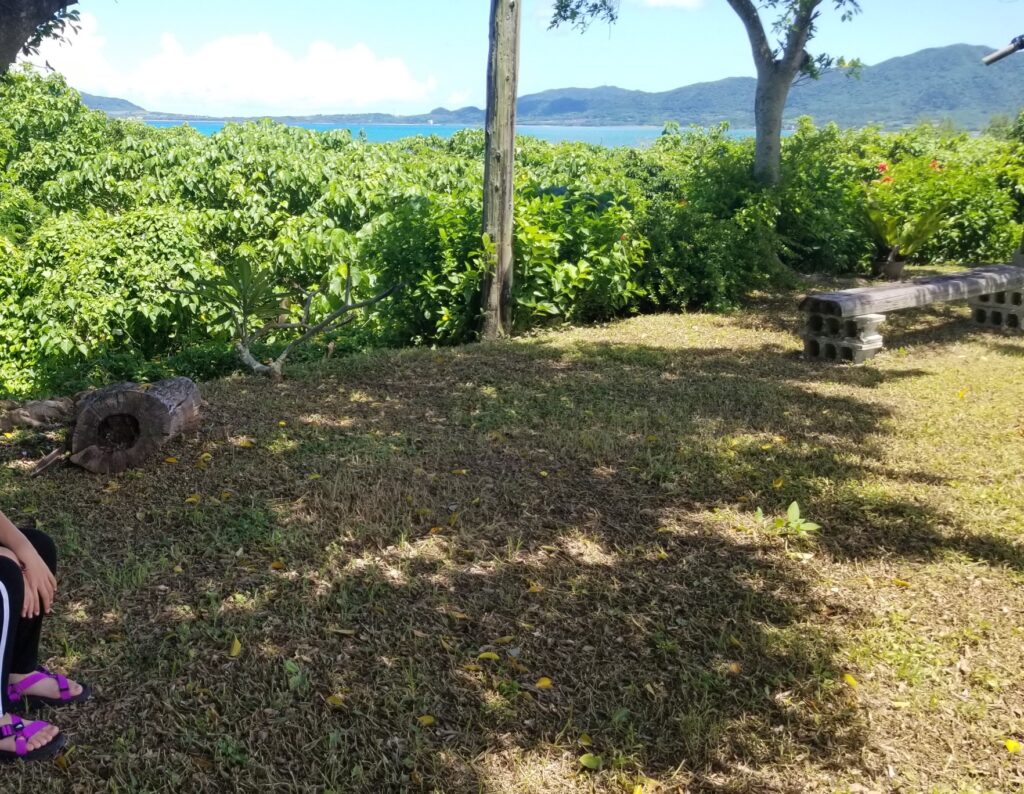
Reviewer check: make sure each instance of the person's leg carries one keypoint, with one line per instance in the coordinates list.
(26, 640)
(25, 658)
(12, 598)
(12, 595)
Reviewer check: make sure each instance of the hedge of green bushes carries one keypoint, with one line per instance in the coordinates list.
(106, 226)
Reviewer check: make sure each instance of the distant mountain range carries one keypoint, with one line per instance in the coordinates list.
(940, 84)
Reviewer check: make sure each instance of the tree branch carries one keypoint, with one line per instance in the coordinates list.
(764, 56)
(330, 322)
(798, 36)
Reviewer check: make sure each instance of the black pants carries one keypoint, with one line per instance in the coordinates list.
(19, 637)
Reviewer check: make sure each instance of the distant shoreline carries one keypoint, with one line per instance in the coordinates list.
(292, 120)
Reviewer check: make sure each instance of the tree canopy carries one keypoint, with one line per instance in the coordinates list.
(25, 24)
(778, 63)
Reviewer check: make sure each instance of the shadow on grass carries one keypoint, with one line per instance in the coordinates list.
(567, 512)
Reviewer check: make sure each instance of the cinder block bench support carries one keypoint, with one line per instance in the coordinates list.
(1004, 309)
(843, 326)
(852, 339)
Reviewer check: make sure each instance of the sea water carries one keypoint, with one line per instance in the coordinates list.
(382, 133)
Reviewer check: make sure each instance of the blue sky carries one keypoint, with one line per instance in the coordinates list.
(407, 56)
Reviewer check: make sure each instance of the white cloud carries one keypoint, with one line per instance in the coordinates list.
(243, 74)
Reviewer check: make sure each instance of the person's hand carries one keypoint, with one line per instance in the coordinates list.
(40, 585)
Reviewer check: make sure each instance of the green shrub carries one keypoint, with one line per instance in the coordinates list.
(108, 227)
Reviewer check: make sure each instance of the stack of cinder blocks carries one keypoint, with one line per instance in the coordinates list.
(999, 310)
(851, 339)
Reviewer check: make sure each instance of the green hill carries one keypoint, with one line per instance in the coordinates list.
(943, 83)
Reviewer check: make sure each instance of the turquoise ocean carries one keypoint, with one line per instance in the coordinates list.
(382, 133)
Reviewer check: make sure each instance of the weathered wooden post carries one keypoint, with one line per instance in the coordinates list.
(500, 136)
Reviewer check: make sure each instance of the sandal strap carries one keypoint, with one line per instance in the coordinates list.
(25, 733)
(15, 691)
(21, 732)
(15, 727)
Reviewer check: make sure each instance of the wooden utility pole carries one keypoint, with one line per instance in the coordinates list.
(500, 136)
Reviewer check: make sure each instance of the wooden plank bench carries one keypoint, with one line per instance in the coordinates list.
(843, 326)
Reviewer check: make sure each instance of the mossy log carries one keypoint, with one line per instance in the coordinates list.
(120, 426)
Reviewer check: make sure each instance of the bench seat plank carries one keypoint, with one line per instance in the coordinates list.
(919, 292)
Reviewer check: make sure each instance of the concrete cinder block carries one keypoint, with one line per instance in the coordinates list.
(842, 339)
(851, 351)
(1007, 316)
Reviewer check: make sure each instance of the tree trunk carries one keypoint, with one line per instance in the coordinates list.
(18, 22)
(769, 105)
(120, 426)
(500, 135)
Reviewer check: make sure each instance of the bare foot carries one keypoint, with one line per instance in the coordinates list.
(41, 739)
(46, 688)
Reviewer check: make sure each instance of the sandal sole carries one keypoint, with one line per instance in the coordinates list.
(47, 751)
(36, 701)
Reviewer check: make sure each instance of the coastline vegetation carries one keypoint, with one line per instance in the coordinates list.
(109, 227)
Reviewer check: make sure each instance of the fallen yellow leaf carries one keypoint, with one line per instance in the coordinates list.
(236, 648)
(489, 656)
(734, 668)
(850, 681)
(277, 565)
(112, 487)
(544, 683)
(178, 569)
(194, 499)
(901, 582)
(336, 701)
(226, 494)
(246, 443)
(535, 587)
(170, 460)
(591, 761)
(651, 439)
(472, 668)
(426, 720)
(585, 740)
(460, 472)
(282, 423)
(542, 473)
(459, 615)
(314, 476)
(206, 457)
(508, 638)
(1012, 745)
(778, 482)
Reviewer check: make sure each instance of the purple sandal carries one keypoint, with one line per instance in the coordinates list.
(22, 733)
(15, 692)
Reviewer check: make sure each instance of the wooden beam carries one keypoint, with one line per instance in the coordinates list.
(919, 292)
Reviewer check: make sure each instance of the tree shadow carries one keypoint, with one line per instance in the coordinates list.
(454, 528)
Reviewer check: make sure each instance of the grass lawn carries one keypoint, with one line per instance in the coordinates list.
(464, 570)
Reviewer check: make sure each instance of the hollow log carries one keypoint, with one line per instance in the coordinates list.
(118, 427)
